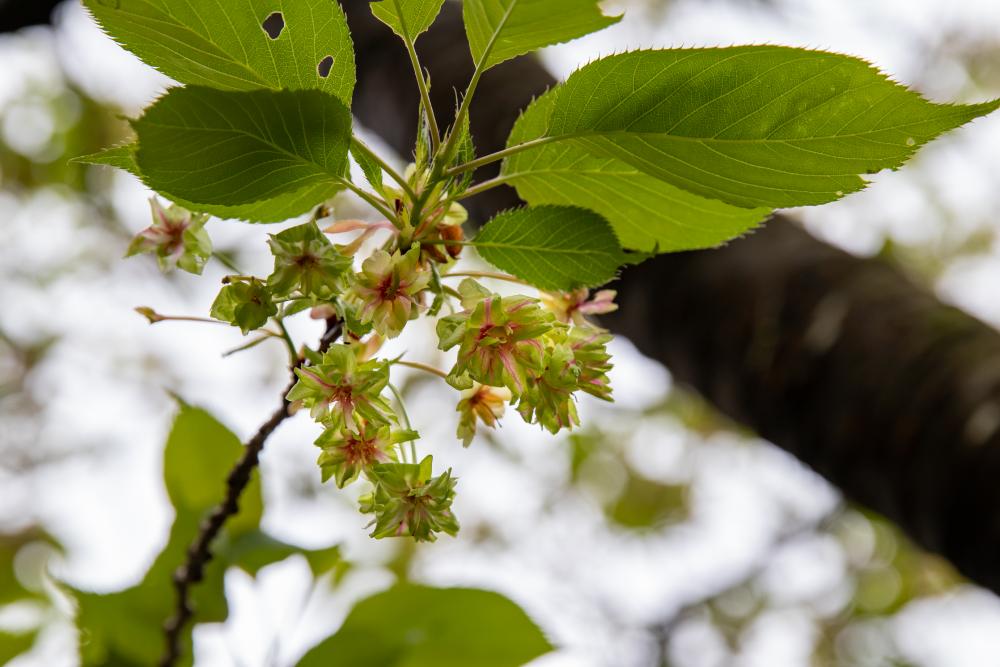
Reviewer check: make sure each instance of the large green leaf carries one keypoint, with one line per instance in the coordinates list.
(125, 628)
(417, 626)
(277, 209)
(223, 43)
(407, 18)
(752, 125)
(499, 30)
(646, 213)
(552, 247)
(234, 148)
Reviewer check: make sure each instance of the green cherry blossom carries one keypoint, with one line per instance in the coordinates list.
(344, 388)
(480, 403)
(347, 454)
(499, 340)
(177, 237)
(407, 501)
(386, 291)
(306, 261)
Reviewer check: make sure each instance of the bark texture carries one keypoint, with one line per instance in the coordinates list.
(891, 395)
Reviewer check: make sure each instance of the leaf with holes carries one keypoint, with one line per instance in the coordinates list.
(646, 213)
(237, 44)
(499, 30)
(752, 126)
(552, 247)
(407, 18)
(276, 209)
(234, 148)
(419, 626)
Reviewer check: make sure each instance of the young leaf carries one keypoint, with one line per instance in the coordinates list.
(121, 156)
(552, 247)
(407, 18)
(499, 30)
(369, 167)
(237, 44)
(232, 148)
(645, 212)
(277, 209)
(418, 626)
(752, 125)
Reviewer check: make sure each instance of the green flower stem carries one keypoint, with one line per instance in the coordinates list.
(406, 420)
(370, 200)
(425, 97)
(253, 343)
(499, 155)
(225, 261)
(421, 367)
(486, 274)
(155, 317)
(386, 167)
(293, 354)
(480, 188)
(463, 110)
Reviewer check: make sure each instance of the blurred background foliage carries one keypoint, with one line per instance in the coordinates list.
(824, 583)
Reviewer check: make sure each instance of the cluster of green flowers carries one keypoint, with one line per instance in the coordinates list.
(533, 353)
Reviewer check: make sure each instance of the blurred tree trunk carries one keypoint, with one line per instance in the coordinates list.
(867, 378)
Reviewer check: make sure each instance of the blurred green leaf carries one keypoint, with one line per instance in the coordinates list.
(14, 644)
(125, 628)
(646, 503)
(418, 626)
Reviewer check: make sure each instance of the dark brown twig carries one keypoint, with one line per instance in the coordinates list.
(199, 554)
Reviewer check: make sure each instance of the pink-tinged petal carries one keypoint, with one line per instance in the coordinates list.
(344, 226)
(511, 367)
(315, 378)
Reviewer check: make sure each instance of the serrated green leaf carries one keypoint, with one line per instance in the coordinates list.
(752, 125)
(407, 18)
(234, 148)
(223, 43)
(121, 156)
(418, 626)
(277, 209)
(499, 30)
(645, 212)
(369, 167)
(552, 247)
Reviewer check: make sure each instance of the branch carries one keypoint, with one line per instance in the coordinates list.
(199, 554)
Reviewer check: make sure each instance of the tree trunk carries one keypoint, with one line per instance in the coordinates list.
(891, 395)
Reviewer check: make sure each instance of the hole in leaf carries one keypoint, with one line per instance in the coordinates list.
(273, 25)
(325, 66)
